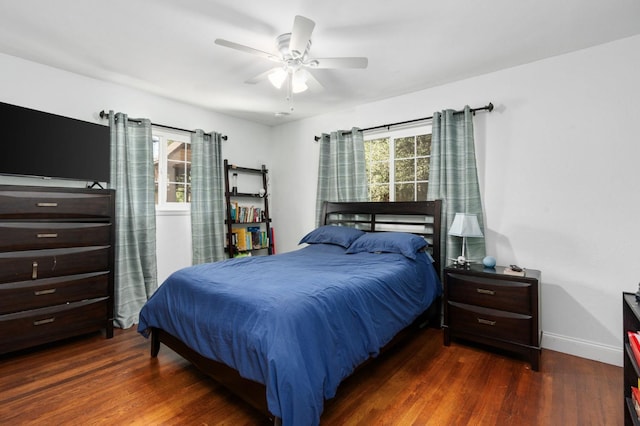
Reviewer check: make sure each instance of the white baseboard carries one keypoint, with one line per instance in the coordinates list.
(583, 348)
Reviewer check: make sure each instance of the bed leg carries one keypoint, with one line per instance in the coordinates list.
(277, 421)
(155, 343)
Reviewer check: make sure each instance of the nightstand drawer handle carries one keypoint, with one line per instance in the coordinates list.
(485, 291)
(486, 322)
(43, 292)
(44, 321)
(47, 204)
(51, 235)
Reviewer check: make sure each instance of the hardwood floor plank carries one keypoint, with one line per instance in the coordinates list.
(92, 380)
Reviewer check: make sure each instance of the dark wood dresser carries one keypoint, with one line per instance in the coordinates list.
(492, 308)
(56, 264)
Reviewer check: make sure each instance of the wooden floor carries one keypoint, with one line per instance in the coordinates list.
(92, 380)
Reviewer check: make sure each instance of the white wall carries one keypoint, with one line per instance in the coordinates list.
(48, 89)
(558, 169)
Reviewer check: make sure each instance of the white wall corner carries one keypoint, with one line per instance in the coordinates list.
(583, 348)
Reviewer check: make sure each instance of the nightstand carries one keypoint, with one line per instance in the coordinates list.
(490, 307)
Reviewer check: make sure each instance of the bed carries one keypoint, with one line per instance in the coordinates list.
(283, 331)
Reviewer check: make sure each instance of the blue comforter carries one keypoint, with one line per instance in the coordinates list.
(297, 322)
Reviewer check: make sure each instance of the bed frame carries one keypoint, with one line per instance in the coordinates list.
(420, 217)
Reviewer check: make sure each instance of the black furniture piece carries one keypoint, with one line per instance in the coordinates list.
(245, 210)
(489, 307)
(631, 369)
(56, 264)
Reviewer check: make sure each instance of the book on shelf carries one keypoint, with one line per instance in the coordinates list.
(233, 207)
(250, 238)
(635, 396)
(634, 342)
(246, 214)
(241, 238)
(273, 241)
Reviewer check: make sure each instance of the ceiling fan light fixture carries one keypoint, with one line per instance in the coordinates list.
(299, 82)
(278, 77)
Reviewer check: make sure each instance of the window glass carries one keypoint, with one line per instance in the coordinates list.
(172, 164)
(398, 165)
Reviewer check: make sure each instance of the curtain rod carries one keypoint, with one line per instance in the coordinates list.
(105, 115)
(399, 123)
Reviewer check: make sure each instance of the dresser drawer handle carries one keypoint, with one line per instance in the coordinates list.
(43, 292)
(44, 321)
(34, 270)
(485, 291)
(47, 204)
(47, 235)
(486, 322)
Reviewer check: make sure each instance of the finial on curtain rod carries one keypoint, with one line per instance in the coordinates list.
(105, 115)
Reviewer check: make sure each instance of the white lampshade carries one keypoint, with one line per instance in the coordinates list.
(277, 77)
(299, 82)
(298, 79)
(465, 225)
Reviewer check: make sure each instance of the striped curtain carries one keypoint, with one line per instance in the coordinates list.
(342, 169)
(207, 197)
(454, 178)
(132, 176)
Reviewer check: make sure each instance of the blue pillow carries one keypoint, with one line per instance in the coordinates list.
(329, 234)
(389, 242)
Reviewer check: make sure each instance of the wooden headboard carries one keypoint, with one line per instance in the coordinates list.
(417, 217)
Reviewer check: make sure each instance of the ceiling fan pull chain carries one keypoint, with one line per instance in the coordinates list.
(290, 86)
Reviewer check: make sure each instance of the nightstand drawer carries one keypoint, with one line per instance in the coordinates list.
(492, 323)
(506, 295)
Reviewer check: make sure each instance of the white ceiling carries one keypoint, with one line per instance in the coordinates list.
(167, 46)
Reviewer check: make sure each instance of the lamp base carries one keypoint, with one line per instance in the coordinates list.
(461, 261)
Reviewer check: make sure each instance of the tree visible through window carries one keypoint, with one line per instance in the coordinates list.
(172, 164)
(398, 165)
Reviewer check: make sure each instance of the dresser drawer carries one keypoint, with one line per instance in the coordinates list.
(24, 295)
(36, 264)
(39, 235)
(51, 204)
(506, 295)
(24, 329)
(491, 323)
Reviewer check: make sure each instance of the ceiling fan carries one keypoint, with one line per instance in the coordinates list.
(293, 59)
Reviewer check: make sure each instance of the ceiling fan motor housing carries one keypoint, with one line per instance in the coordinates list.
(283, 41)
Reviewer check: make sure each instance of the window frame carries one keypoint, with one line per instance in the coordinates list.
(163, 135)
(392, 135)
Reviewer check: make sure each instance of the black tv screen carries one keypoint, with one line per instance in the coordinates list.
(37, 143)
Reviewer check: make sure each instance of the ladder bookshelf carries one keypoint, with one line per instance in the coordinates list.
(248, 223)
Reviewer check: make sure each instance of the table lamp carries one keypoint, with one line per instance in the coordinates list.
(465, 225)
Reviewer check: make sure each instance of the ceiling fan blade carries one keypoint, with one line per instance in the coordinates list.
(325, 63)
(247, 49)
(311, 81)
(300, 35)
(260, 77)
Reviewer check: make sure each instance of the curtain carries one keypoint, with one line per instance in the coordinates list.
(453, 177)
(132, 176)
(342, 169)
(207, 197)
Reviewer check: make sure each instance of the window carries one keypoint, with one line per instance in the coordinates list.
(172, 164)
(398, 165)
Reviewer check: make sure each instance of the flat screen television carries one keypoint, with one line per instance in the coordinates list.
(41, 144)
